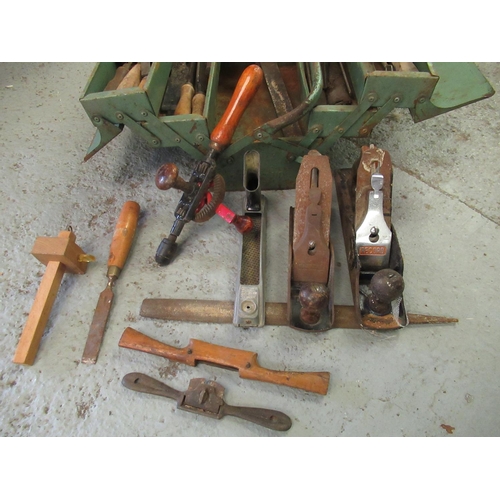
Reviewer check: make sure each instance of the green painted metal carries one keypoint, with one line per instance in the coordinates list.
(458, 83)
(434, 89)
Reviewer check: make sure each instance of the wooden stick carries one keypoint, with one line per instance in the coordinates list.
(39, 314)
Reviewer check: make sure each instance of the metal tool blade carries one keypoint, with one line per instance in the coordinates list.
(96, 331)
(279, 96)
(249, 310)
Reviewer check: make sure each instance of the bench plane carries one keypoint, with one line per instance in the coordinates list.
(206, 397)
(311, 255)
(373, 252)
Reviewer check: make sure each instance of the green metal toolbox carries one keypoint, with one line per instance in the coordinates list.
(302, 106)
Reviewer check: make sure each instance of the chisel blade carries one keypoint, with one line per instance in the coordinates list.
(96, 331)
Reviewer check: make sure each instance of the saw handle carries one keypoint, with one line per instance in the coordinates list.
(123, 235)
(247, 86)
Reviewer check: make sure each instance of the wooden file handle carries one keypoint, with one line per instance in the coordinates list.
(244, 361)
(124, 234)
(246, 88)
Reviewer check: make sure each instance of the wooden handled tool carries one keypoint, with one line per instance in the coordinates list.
(132, 78)
(60, 255)
(120, 73)
(120, 248)
(187, 92)
(225, 357)
(204, 174)
(248, 84)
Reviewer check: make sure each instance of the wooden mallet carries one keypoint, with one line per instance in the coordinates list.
(60, 255)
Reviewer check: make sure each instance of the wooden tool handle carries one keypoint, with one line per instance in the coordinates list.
(184, 104)
(132, 78)
(124, 234)
(246, 88)
(244, 361)
(120, 73)
(198, 104)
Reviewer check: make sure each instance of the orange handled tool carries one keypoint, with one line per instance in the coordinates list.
(204, 176)
(225, 357)
(246, 88)
(120, 248)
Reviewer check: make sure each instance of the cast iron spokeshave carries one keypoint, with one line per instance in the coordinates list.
(205, 397)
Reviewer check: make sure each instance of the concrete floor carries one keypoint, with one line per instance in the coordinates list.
(408, 383)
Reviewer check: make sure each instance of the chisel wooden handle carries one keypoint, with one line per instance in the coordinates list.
(123, 235)
(246, 88)
(244, 361)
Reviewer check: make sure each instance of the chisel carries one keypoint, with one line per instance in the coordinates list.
(120, 247)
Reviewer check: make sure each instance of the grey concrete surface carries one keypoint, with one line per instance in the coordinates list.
(407, 383)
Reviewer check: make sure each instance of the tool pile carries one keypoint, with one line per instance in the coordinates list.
(374, 256)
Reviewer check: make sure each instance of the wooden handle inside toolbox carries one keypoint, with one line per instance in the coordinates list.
(244, 361)
(246, 88)
(184, 104)
(132, 78)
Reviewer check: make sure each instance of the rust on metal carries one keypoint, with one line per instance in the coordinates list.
(206, 397)
(347, 184)
(220, 311)
(311, 225)
(311, 256)
(98, 325)
(279, 95)
(386, 286)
